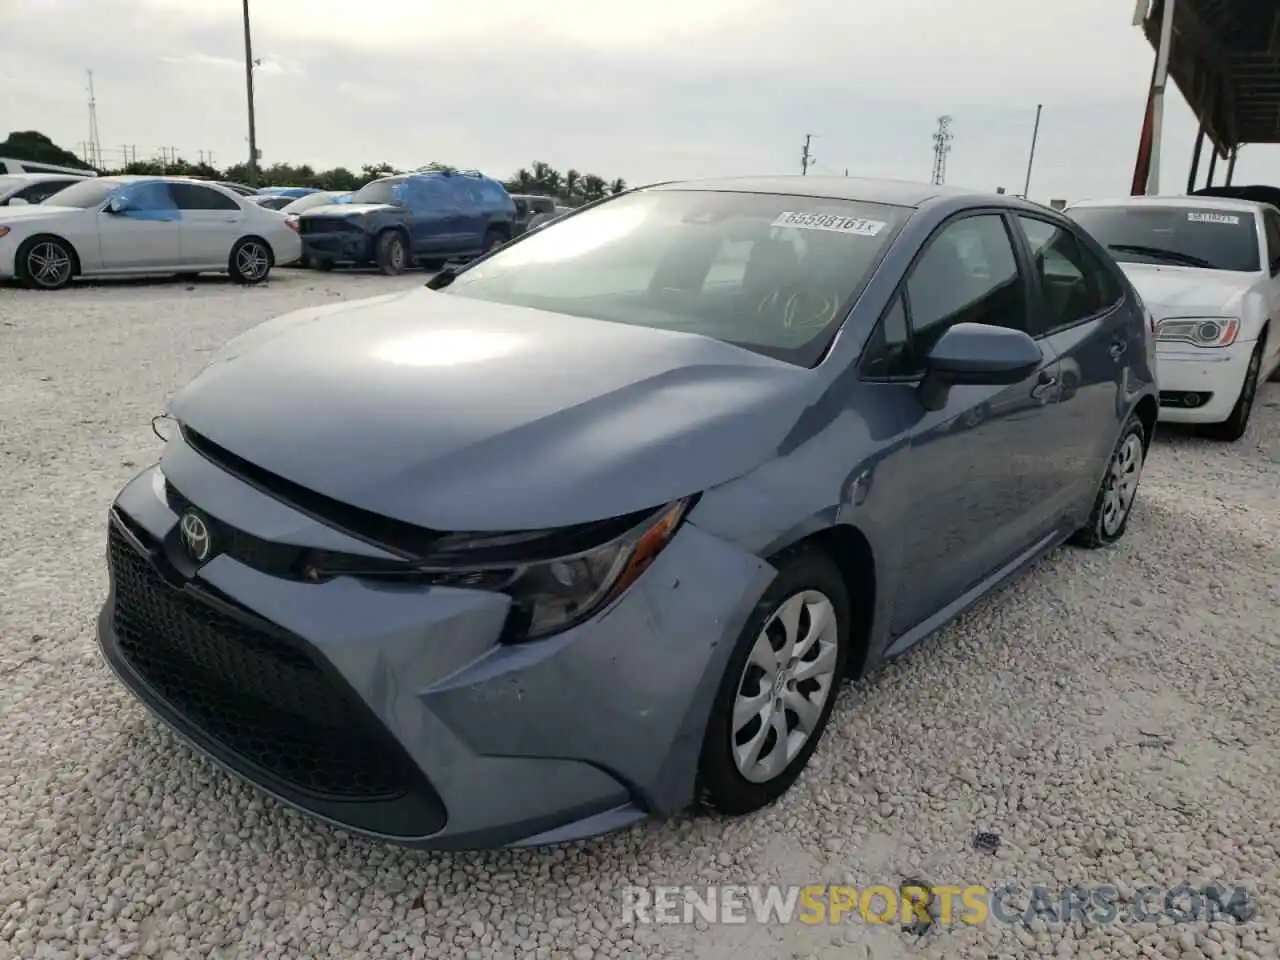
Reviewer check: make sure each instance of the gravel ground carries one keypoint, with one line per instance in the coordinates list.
(1115, 717)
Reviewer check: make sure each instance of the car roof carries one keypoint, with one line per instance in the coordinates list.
(1183, 202)
(37, 177)
(901, 193)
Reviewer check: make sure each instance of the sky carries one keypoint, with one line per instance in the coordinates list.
(662, 90)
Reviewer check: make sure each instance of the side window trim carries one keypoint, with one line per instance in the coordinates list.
(1045, 330)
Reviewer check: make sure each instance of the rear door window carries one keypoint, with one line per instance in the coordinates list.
(1074, 284)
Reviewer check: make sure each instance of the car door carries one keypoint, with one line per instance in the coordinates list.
(977, 485)
(1271, 221)
(144, 233)
(473, 213)
(1082, 315)
(433, 216)
(211, 224)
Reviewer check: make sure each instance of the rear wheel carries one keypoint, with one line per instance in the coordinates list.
(250, 261)
(1234, 427)
(779, 687)
(1109, 517)
(392, 253)
(47, 263)
(493, 238)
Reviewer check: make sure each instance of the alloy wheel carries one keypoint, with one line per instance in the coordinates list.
(252, 261)
(49, 264)
(1122, 484)
(786, 682)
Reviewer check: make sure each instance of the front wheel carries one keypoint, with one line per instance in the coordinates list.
(779, 687)
(250, 261)
(1234, 427)
(1109, 517)
(392, 254)
(47, 264)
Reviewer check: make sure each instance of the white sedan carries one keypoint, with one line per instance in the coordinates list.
(143, 225)
(1208, 269)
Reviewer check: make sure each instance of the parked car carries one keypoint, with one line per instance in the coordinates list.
(428, 217)
(19, 189)
(238, 188)
(1208, 269)
(530, 207)
(142, 225)
(11, 165)
(291, 192)
(1258, 193)
(270, 201)
(599, 522)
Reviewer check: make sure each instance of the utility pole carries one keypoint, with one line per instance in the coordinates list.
(1035, 134)
(806, 158)
(941, 147)
(248, 89)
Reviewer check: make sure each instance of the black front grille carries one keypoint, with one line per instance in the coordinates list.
(324, 225)
(261, 698)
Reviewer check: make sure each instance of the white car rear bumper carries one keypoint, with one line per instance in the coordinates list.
(1183, 370)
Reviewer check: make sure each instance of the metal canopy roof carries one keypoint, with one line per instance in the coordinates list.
(1225, 58)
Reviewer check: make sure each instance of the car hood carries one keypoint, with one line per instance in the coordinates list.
(346, 209)
(457, 414)
(1186, 291)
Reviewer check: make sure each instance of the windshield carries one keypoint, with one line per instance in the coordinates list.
(380, 191)
(1175, 236)
(774, 274)
(89, 193)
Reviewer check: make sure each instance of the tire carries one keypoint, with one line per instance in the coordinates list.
(303, 262)
(392, 253)
(251, 261)
(47, 263)
(1113, 505)
(1234, 427)
(806, 577)
(493, 238)
(324, 266)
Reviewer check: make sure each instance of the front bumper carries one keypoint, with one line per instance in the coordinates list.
(347, 246)
(394, 711)
(1185, 372)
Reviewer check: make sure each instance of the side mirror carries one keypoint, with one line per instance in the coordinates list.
(117, 205)
(977, 354)
(18, 202)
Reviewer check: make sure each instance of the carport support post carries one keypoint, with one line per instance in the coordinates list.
(1195, 161)
(1157, 96)
(1231, 164)
(1213, 162)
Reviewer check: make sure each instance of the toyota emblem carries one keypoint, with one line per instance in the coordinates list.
(196, 537)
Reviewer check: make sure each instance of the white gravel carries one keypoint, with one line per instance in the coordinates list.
(1115, 717)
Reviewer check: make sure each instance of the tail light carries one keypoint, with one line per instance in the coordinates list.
(291, 222)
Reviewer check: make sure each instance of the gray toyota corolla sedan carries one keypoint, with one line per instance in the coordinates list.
(595, 526)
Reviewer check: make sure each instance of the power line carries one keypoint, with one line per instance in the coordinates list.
(806, 158)
(941, 147)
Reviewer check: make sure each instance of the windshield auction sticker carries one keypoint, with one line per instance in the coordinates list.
(1200, 217)
(835, 224)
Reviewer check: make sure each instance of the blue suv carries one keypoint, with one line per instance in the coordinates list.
(424, 217)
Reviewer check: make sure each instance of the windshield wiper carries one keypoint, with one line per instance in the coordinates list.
(1160, 253)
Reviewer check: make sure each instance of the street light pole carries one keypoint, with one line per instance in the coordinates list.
(248, 87)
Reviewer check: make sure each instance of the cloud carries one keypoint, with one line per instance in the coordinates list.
(660, 90)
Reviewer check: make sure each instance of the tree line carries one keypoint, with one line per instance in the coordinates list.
(571, 187)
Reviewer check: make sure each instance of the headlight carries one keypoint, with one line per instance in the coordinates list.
(1201, 331)
(555, 578)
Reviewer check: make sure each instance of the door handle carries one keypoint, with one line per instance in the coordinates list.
(1118, 348)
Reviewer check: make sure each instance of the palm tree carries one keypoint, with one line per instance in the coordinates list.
(618, 186)
(592, 187)
(523, 181)
(571, 183)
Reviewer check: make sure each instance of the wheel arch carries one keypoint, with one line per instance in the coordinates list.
(1147, 410)
(850, 550)
(27, 244)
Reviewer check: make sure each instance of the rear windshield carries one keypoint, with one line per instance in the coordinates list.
(1176, 236)
(770, 273)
